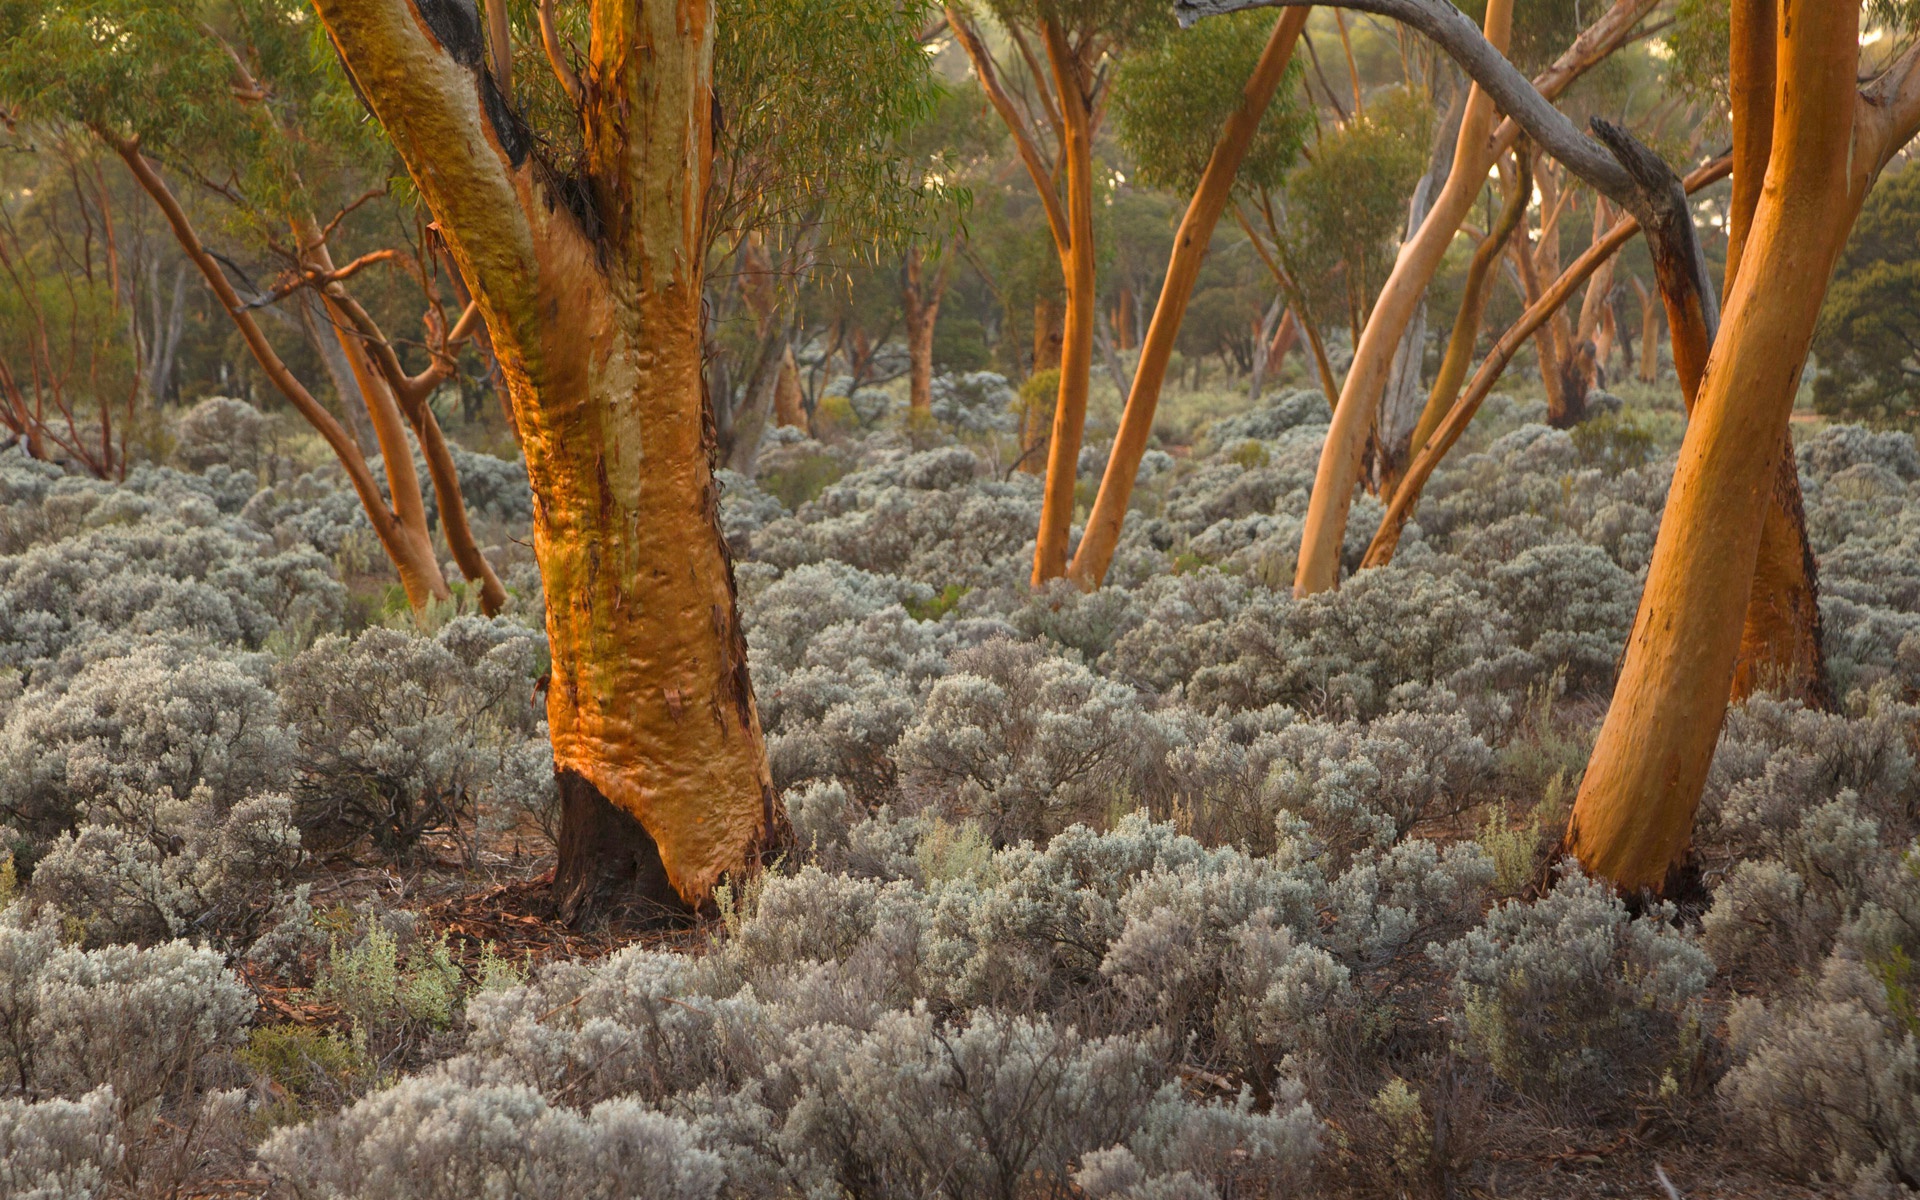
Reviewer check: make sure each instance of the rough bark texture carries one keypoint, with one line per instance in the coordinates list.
(592, 299)
(607, 866)
(1190, 244)
(1633, 819)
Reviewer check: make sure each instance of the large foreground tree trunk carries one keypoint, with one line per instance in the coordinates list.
(592, 298)
(1632, 822)
(1780, 640)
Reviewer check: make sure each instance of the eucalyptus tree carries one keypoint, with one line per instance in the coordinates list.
(1068, 77)
(581, 204)
(1172, 98)
(1829, 136)
(236, 98)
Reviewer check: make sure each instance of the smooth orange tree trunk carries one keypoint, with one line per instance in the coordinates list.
(1076, 344)
(1633, 819)
(920, 296)
(1318, 568)
(1780, 641)
(1102, 535)
(593, 305)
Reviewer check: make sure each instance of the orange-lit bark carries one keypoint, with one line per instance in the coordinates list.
(1632, 822)
(920, 295)
(1322, 535)
(1102, 535)
(1473, 308)
(1072, 90)
(1780, 646)
(596, 323)
(1387, 538)
(1354, 416)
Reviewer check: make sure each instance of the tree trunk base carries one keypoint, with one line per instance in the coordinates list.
(609, 870)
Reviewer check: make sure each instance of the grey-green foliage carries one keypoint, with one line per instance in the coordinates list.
(58, 1149)
(159, 723)
(434, 1137)
(1572, 1001)
(1828, 1087)
(144, 866)
(1023, 741)
(151, 1023)
(804, 1051)
(91, 570)
(396, 734)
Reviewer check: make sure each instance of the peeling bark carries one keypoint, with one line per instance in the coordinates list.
(595, 318)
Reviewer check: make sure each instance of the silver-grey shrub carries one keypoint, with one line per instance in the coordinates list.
(59, 1149)
(1573, 1002)
(155, 722)
(145, 867)
(1023, 741)
(396, 734)
(434, 1137)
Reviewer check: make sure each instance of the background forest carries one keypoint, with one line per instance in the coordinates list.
(1164, 877)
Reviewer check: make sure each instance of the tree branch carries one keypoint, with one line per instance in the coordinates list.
(1037, 167)
(556, 53)
(1387, 539)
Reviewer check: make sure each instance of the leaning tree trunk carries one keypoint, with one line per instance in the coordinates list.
(593, 303)
(1780, 640)
(1354, 418)
(1076, 343)
(1633, 819)
(1190, 245)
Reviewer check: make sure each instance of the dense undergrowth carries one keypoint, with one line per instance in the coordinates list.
(1181, 888)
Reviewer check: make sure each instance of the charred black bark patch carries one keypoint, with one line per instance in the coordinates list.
(455, 24)
(515, 138)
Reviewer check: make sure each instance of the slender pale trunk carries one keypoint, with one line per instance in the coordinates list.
(1649, 333)
(1633, 819)
(1354, 417)
(1387, 538)
(1400, 401)
(1190, 244)
(597, 328)
(419, 572)
(1473, 308)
